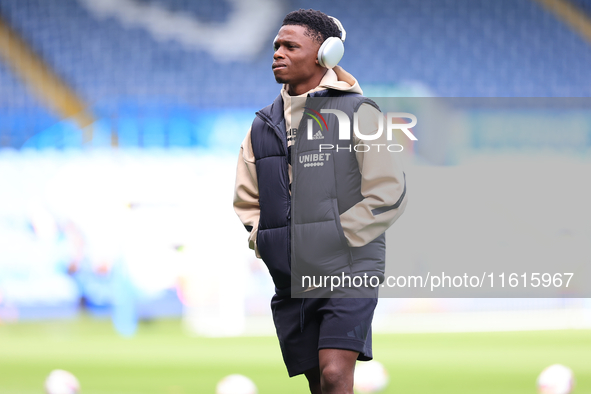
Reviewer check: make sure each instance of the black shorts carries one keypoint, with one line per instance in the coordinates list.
(306, 325)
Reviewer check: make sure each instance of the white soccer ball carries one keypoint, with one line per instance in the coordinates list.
(370, 377)
(236, 384)
(61, 382)
(556, 379)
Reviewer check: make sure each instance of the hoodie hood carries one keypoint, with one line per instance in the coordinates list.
(334, 78)
(337, 78)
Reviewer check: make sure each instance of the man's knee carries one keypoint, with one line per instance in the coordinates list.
(336, 370)
(334, 376)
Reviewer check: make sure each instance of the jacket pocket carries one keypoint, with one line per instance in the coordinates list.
(339, 225)
(320, 248)
(273, 245)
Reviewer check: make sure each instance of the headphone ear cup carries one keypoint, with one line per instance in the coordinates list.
(331, 52)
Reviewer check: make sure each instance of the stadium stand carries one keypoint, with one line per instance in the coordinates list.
(149, 86)
(21, 115)
(454, 47)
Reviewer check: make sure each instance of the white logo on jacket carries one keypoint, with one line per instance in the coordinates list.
(314, 159)
(318, 136)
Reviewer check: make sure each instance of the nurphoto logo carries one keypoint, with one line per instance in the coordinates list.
(393, 120)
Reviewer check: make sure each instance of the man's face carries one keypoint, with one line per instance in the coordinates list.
(295, 59)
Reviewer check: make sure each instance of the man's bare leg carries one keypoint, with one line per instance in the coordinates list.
(335, 374)
(313, 376)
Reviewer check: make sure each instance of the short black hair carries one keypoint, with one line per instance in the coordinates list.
(318, 25)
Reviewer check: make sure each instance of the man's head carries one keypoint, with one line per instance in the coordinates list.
(296, 49)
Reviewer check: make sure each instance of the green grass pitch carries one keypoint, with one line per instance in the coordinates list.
(161, 358)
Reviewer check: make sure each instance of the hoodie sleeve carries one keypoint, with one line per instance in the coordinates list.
(246, 192)
(383, 186)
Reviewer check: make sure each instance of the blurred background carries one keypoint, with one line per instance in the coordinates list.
(122, 260)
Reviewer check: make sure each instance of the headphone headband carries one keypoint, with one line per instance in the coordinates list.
(340, 27)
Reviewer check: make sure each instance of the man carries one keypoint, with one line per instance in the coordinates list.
(319, 337)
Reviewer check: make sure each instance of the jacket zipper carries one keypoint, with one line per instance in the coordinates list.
(267, 121)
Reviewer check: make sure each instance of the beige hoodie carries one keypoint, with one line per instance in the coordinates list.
(382, 179)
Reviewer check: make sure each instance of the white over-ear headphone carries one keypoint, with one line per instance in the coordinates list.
(332, 49)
